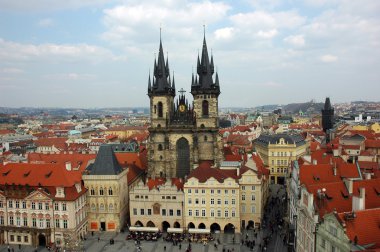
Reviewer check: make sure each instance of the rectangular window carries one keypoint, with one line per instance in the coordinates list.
(41, 223)
(243, 208)
(203, 212)
(190, 212)
(149, 211)
(233, 191)
(189, 191)
(226, 213)
(142, 211)
(226, 191)
(253, 197)
(253, 188)
(218, 191)
(171, 212)
(18, 221)
(212, 191)
(203, 201)
(134, 211)
(219, 201)
(46, 206)
(10, 204)
(26, 239)
(24, 204)
(219, 213)
(189, 201)
(25, 220)
(212, 213)
(233, 213)
(243, 188)
(48, 223)
(196, 191)
(253, 209)
(11, 220)
(1, 204)
(333, 249)
(19, 238)
(226, 201)
(56, 206)
(33, 205)
(196, 212)
(243, 197)
(323, 243)
(212, 201)
(64, 207)
(64, 223)
(17, 204)
(40, 205)
(34, 222)
(57, 223)
(233, 201)
(12, 238)
(163, 211)
(333, 231)
(203, 191)
(2, 220)
(178, 212)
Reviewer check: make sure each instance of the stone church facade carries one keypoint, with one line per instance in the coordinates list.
(182, 134)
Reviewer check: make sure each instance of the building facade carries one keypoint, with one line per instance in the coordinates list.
(51, 211)
(278, 151)
(107, 184)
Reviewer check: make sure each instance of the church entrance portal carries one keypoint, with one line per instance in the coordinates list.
(41, 240)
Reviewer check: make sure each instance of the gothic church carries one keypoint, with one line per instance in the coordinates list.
(182, 134)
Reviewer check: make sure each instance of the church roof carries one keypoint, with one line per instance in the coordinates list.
(105, 162)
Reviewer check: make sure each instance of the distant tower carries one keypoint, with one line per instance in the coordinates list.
(327, 116)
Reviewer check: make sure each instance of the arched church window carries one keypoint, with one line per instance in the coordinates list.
(92, 191)
(110, 191)
(110, 207)
(101, 208)
(205, 108)
(160, 147)
(160, 109)
(101, 191)
(93, 207)
(202, 126)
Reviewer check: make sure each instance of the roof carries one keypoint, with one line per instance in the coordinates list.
(58, 142)
(267, 139)
(372, 143)
(105, 162)
(157, 182)
(364, 227)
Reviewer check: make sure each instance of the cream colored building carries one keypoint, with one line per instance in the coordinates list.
(45, 205)
(277, 151)
(158, 203)
(107, 186)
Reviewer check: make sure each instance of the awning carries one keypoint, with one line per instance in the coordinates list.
(199, 231)
(143, 229)
(175, 230)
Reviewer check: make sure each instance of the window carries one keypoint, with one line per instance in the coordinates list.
(18, 221)
(233, 213)
(226, 201)
(226, 213)
(56, 206)
(26, 239)
(225, 191)
(12, 238)
(253, 197)
(25, 221)
(171, 212)
(203, 201)
(219, 212)
(272, 162)
(189, 200)
(212, 213)
(10, 204)
(163, 211)
(212, 201)
(101, 207)
(39, 205)
(243, 208)
(219, 201)
(204, 108)
(1, 204)
(149, 211)
(203, 191)
(233, 191)
(11, 220)
(17, 204)
(253, 188)
(189, 191)
(101, 191)
(64, 223)
(110, 207)
(92, 191)
(47, 223)
(57, 223)
(205, 138)
(243, 197)
(212, 191)
(196, 201)
(2, 220)
(323, 243)
(196, 212)
(110, 192)
(160, 147)
(34, 222)
(19, 238)
(190, 212)
(142, 211)
(196, 191)
(243, 188)
(64, 207)
(203, 212)
(160, 109)
(333, 231)
(46, 206)
(218, 191)
(178, 212)
(41, 223)
(253, 209)
(333, 249)
(134, 211)
(93, 208)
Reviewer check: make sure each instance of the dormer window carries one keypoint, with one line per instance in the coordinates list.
(78, 187)
(60, 192)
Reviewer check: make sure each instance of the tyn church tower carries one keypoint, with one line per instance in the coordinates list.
(182, 134)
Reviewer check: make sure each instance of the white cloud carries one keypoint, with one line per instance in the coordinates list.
(295, 40)
(12, 70)
(267, 34)
(46, 22)
(328, 58)
(70, 76)
(224, 33)
(50, 5)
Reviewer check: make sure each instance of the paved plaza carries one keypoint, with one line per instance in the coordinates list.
(274, 235)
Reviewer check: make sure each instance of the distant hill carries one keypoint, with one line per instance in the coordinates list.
(310, 107)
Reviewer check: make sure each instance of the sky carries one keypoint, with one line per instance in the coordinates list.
(99, 53)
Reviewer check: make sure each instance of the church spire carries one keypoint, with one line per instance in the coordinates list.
(161, 75)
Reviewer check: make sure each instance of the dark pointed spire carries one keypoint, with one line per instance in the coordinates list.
(327, 116)
(161, 80)
(173, 84)
(216, 79)
(192, 79)
(205, 71)
(327, 103)
(149, 84)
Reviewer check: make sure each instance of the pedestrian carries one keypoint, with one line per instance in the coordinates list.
(9, 249)
(164, 248)
(180, 246)
(98, 238)
(92, 233)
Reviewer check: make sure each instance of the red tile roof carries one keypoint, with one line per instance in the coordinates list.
(6, 131)
(364, 227)
(157, 182)
(372, 143)
(58, 142)
(372, 192)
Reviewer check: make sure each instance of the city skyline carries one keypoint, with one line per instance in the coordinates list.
(99, 53)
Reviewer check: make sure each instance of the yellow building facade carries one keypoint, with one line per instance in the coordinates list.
(278, 151)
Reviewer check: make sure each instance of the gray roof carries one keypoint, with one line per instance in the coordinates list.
(105, 162)
(265, 139)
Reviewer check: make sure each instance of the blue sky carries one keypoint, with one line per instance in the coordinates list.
(98, 53)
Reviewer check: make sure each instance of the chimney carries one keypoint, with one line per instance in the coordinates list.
(315, 162)
(334, 169)
(358, 203)
(349, 185)
(68, 166)
(237, 171)
(367, 175)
